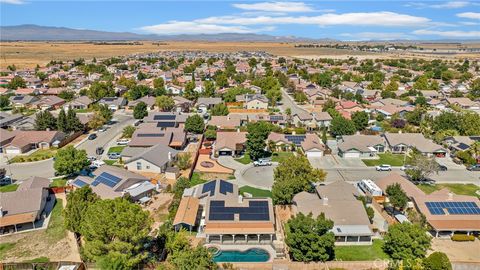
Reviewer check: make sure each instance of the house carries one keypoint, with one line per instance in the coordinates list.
(154, 159)
(203, 103)
(49, 103)
(309, 143)
(322, 119)
(148, 100)
(253, 101)
(21, 101)
(460, 143)
(114, 103)
(230, 143)
(464, 103)
(389, 110)
(7, 119)
(339, 202)
(6, 137)
(24, 123)
(174, 89)
(110, 182)
(360, 146)
(303, 118)
(166, 119)
(182, 104)
(150, 134)
(80, 103)
(399, 143)
(25, 205)
(230, 121)
(26, 140)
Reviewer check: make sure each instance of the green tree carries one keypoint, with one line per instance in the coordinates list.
(392, 86)
(209, 89)
(158, 83)
(128, 131)
(329, 104)
(45, 120)
(140, 110)
(62, 121)
(192, 258)
(398, 198)
(17, 82)
(138, 91)
(78, 202)
(293, 175)
(219, 110)
(310, 239)
(257, 134)
(165, 103)
(96, 121)
(189, 92)
(360, 119)
(4, 101)
(123, 228)
(414, 117)
(73, 123)
(141, 76)
(194, 124)
(421, 83)
(210, 134)
(221, 80)
(469, 124)
(437, 261)
(105, 112)
(406, 241)
(300, 97)
(69, 160)
(184, 161)
(99, 90)
(67, 95)
(342, 126)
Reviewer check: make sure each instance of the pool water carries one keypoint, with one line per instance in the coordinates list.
(250, 255)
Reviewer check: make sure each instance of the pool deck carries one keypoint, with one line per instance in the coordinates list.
(268, 248)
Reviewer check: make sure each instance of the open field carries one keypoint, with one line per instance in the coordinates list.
(29, 54)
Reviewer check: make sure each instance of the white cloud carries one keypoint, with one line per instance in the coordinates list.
(451, 4)
(448, 34)
(469, 15)
(376, 36)
(178, 27)
(383, 18)
(276, 7)
(13, 2)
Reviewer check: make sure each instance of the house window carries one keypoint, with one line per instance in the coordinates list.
(139, 166)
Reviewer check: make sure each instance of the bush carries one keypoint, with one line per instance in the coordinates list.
(437, 261)
(463, 237)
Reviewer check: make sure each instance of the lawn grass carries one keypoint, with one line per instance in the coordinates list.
(56, 229)
(4, 248)
(196, 179)
(109, 161)
(386, 158)
(279, 156)
(361, 253)
(9, 188)
(256, 192)
(245, 159)
(40, 154)
(59, 182)
(459, 189)
(116, 149)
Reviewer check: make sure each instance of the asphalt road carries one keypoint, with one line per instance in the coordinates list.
(287, 102)
(44, 168)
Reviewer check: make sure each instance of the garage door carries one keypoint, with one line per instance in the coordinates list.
(315, 154)
(12, 151)
(225, 153)
(351, 155)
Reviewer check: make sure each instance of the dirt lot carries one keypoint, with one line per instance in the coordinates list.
(158, 208)
(458, 251)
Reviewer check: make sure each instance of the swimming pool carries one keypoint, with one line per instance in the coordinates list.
(249, 255)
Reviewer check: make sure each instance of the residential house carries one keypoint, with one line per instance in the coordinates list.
(26, 140)
(230, 121)
(155, 159)
(150, 134)
(322, 119)
(148, 100)
(400, 143)
(7, 119)
(6, 137)
(230, 143)
(253, 101)
(80, 103)
(360, 146)
(309, 143)
(114, 103)
(23, 101)
(204, 103)
(464, 103)
(182, 104)
(49, 103)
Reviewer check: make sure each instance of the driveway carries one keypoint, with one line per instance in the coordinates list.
(249, 175)
(334, 161)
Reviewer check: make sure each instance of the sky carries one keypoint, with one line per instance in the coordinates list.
(335, 19)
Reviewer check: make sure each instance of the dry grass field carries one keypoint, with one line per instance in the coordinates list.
(29, 54)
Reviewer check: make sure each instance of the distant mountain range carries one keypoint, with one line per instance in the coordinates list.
(49, 33)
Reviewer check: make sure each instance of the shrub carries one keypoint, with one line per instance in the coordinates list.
(463, 237)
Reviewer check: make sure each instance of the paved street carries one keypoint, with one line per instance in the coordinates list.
(287, 102)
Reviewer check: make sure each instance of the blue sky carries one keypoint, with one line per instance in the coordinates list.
(340, 19)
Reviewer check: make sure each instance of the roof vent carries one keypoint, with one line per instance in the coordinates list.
(325, 201)
(450, 196)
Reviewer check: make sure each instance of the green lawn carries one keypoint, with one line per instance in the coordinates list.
(9, 188)
(279, 156)
(256, 192)
(386, 158)
(40, 154)
(59, 182)
(459, 189)
(245, 159)
(116, 149)
(196, 179)
(4, 248)
(56, 230)
(361, 253)
(109, 161)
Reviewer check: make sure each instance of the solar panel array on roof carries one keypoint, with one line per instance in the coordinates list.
(18, 98)
(256, 211)
(79, 183)
(225, 187)
(164, 117)
(209, 187)
(463, 146)
(109, 99)
(453, 208)
(296, 139)
(276, 117)
(150, 135)
(106, 179)
(166, 124)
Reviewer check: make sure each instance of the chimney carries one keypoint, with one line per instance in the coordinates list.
(325, 201)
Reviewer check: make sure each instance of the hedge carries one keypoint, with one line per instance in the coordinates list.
(463, 237)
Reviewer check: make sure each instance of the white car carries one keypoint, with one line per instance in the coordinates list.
(97, 163)
(262, 162)
(383, 168)
(123, 141)
(102, 129)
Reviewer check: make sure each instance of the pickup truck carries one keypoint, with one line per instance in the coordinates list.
(262, 162)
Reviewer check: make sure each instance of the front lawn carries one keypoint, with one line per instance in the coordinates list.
(9, 188)
(245, 159)
(280, 156)
(459, 189)
(59, 182)
(196, 179)
(361, 253)
(40, 154)
(256, 192)
(116, 149)
(386, 158)
(109, 161)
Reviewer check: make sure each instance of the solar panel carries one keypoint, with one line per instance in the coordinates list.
(276, 117)
(18, 98)
(164, 117)
(107, 179)
(150, 135)
(209, 187)
(225, 187)
(79, 183)
(256, 211)
(108, 99)
(296, 139)
(166, 124)
(453, 208)
(463, 146)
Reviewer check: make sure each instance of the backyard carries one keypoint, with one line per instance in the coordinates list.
(40, 154)
(361, 253)
(459, 189)
(256, 192)
(386, 158)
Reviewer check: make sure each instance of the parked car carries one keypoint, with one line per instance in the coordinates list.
(475, 167)
(123, 141)
(99, 150)
(5, 180)
(97, 164)
(92, 136)
(442, 168)
(114, 155)
(406, 167)
(138, 122)
(262, 162)
(92, 158)
(102, 129)
(383, 168)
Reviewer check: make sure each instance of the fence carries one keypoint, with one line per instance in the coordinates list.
(35, 266)
(70, 138)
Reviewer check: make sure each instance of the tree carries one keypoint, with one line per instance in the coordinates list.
(210, 134)
(421, 83)
(414, 117)
(140, 110)
(17, 82)
(138, 91)
(342, 126)
(221, 80)
(324, 135)
(360, 119)
(45, 120)
(293, 175)
(67, 95)
(158, 83)
(420, 101)
(69, 160)
(398, 198)
(105, 112)
(128, 131)
(78, 202)
(209, 89)
(73, 123)
(329, 104)
(310, 239)
(62, 121)
(96, 121)
(100, 90)
(122, 229)
(194, 124)
(184, 161)
(406, 241)
(219, 110)
(190, 92)
(392, 86)
(300, 97)
(164, 103)
(437, 261)
(192, 258)
(257, 134)
(4, 102)
(423, 166)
